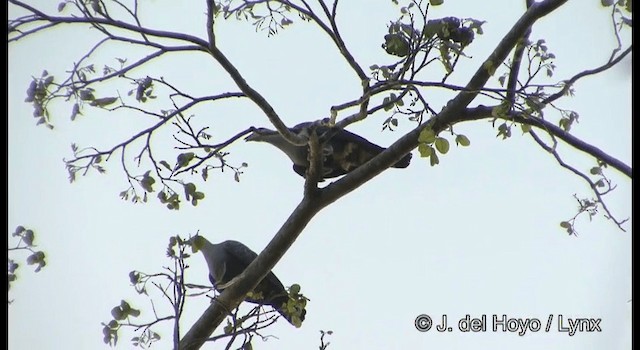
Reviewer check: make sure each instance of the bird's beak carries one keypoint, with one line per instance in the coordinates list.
(250, 137)
(257, 134)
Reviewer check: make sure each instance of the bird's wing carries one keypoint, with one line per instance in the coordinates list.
(350, 151)
(240, 256)
(356, 150)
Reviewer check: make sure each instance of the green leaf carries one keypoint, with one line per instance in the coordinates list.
(424, 150)
(32, 259)
(285, 22)
(501, 80)
(606, 3)
(19, 230)
(103, 102)
(427, 136)
(117, 314)
(387, 105)
(462, 140)
(501, 110)
(134, 277)
(134, 312)
(147, 182)
(198, 195)
(31, 92)
(125, 306)
(12, 266)
(294, 289)
(48, 80)
(189, 190)
(433, 160)
(205, 174)
(87, 95)
(184, 159)
(565, 224)
(442, 145)
(595, 170)
(27, 237)
(436, 2)
(165, 164)
(504, 130)
(395, 44)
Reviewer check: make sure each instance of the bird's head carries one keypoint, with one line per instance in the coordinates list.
(197, 242)
(261, 134)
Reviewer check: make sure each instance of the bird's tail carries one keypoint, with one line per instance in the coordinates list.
(404, 162)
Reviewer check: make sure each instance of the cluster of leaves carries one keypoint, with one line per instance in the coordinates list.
(94, 162)
(414, 43)
(429, 142)
(166, 196)
(296, 304)
(539, 59)
(253, 320)
(585, 205)
(26, 238)
(43, 90)
(453, 30)
(620, 6)
(266, 15)
(39, 94)
(120, 313)
(450, 35)
(143, 90)
(170, 285)
(501, 112)
(590, 206)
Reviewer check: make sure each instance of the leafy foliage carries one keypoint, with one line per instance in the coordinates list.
(25, 243)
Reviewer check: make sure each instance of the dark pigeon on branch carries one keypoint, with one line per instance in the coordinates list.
(228, 259)
(342, 150)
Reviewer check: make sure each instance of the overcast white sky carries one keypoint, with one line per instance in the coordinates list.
(476, 235)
